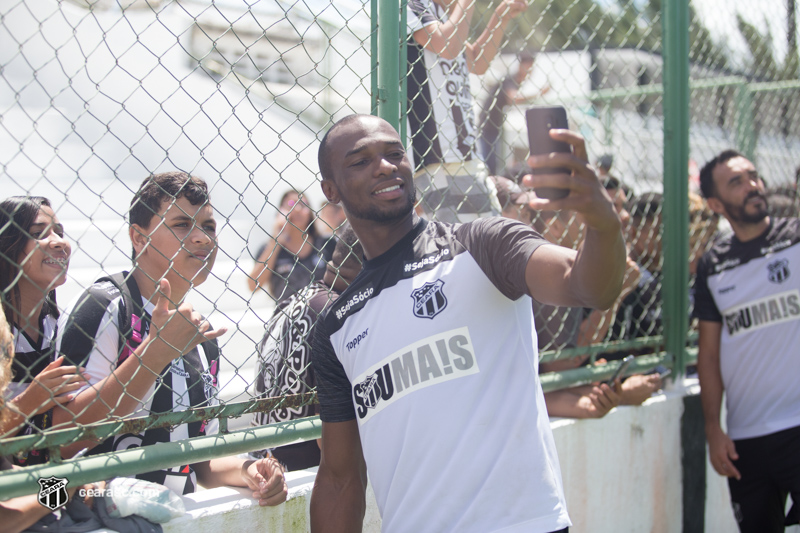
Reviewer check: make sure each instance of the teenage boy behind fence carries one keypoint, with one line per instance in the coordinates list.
(146, 350)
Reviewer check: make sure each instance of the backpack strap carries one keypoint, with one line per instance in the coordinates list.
(132, 326)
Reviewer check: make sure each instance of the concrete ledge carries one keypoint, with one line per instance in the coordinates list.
(227, 509)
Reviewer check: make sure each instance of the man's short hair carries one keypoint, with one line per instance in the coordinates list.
(158, 188)
(324, 156)
(613, 183)
(707, 187)
(646, 206)
(605, 162)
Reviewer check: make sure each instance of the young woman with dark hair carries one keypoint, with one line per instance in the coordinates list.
(34, 256)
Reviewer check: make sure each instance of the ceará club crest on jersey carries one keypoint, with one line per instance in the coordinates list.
(778, 271)
(429, 300)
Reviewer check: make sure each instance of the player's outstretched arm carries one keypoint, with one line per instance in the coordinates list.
(592, 276)
(720, 446)
(338, 501)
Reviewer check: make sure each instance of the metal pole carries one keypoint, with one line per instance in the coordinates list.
(373, 56)
(674, 290)
(745, 130)
(388, 62)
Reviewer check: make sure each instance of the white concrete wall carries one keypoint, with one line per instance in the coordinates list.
(621, 474)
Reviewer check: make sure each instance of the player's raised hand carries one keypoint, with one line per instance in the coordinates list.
(587, 196)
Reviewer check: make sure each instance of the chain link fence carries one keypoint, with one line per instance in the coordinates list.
(97, 96)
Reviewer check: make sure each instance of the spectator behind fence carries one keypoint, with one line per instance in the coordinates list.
(493, 112)
(782, 202)
(639, 314)
(450, 177)
(556, 327)
(146, 350)
(295, 253)
(331, 220)
(34, 257)
(284, 363)
(448, 369)
(747, 302)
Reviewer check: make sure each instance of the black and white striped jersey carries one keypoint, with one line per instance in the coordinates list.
(753, 289)
(89, 336)
(30, 358)
(432, 350)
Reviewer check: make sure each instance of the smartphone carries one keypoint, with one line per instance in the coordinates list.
(623, 366)
(662, 371)
(540, 121)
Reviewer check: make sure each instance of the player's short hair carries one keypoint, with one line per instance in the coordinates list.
(707, 187)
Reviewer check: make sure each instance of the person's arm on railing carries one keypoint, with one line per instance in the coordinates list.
(18, 514)
(264, 477)
(592, 276)
(338, 501)
(721, 449)
(587, 401)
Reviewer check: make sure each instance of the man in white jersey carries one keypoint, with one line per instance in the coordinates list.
(427, 364)
(450, 177)
(747, 298)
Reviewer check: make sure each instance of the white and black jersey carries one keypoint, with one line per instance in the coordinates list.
(89, 335)
(439, 99)
(432, 350)
(753, 289)
(284, 367)
(30, 359)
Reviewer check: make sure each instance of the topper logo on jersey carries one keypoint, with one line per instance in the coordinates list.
(764, 312)
(778, 271)
(429, 300)
(436, 359)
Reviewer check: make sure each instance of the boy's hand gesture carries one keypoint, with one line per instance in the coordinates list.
(174, 332)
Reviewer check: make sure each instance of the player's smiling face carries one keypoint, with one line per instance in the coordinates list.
(372, 176)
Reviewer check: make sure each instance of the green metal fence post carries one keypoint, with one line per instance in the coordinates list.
(389, 61)
(373, 56)
(675, 297)
(745, 132)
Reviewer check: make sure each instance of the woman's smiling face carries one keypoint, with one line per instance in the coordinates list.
(45, 259)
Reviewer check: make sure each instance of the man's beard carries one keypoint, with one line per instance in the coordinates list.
(374, 214)
(738, 213)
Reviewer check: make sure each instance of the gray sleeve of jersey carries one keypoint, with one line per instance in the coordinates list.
(333, 386)
(501, 247)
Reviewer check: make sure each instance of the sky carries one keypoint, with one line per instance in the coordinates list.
(719, 16)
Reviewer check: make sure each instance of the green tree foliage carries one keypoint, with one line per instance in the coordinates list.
(551, 25)
(763, 65)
